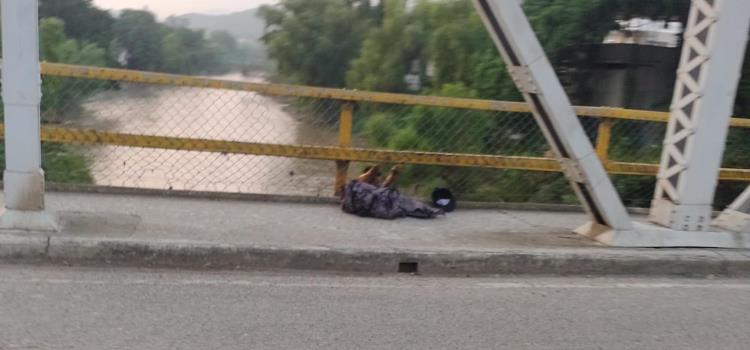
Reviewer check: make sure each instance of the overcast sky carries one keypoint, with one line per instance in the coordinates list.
(165, 8)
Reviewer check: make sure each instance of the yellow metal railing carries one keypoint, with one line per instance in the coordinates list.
(344, 153)
(96, 73)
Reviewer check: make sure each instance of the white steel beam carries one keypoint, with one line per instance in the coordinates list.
(712, 56)
(736, 218)
(22, 91)
(541, 88)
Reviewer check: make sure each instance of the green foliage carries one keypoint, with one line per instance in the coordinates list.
(58, 93)
(448, 37)
(387, 52)
(457, 43)
(137, 33)
(56, 47)
(145, 43)
(60, 164)
(448, 41)
(152, 46)
(85, 22)
(429, 129)
(187, 51)
(637, 190)
(559, 23)
(379, 129)
(313, 41)
(225, 49)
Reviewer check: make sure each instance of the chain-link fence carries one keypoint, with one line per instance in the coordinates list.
(236, 115)
(188, 112)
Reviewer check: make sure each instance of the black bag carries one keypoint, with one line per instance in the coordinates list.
(443, 198)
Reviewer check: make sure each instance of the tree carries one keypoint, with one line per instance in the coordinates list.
(223, 41)
(55, 46)
(446, 38)
(84, 21)
(388, 51)
(172, 48)
(313, 41)
(139, 37)
(187, 51)
(226, 50)
(60, 94)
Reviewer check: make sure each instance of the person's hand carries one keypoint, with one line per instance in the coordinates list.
(396, 170)
(375, 171)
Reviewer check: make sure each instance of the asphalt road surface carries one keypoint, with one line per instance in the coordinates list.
(59, 308)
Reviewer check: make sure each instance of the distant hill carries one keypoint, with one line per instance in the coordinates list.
(244, 25)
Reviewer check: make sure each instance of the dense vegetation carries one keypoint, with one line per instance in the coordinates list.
(372, 45)
(136, 40)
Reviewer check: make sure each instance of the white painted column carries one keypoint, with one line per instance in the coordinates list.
(22, 91)
(712, 56)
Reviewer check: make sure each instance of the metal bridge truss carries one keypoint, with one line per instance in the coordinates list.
(715, 41)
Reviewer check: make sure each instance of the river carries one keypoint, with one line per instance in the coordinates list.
(205, 114)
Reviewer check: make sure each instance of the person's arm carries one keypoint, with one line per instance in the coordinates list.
(395, 171)
(370, 176)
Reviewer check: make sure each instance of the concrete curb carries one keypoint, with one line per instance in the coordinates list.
(195, 255)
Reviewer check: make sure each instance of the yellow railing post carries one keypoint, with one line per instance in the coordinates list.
(603, 138)
(345, 141)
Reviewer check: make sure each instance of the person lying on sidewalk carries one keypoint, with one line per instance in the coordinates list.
(367, 196)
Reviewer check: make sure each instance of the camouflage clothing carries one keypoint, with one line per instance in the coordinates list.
(364, 199)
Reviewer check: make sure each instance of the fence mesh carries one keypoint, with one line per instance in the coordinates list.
(229, 115)
(195, 113)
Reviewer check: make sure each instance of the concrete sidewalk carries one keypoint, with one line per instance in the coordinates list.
(153, 231)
